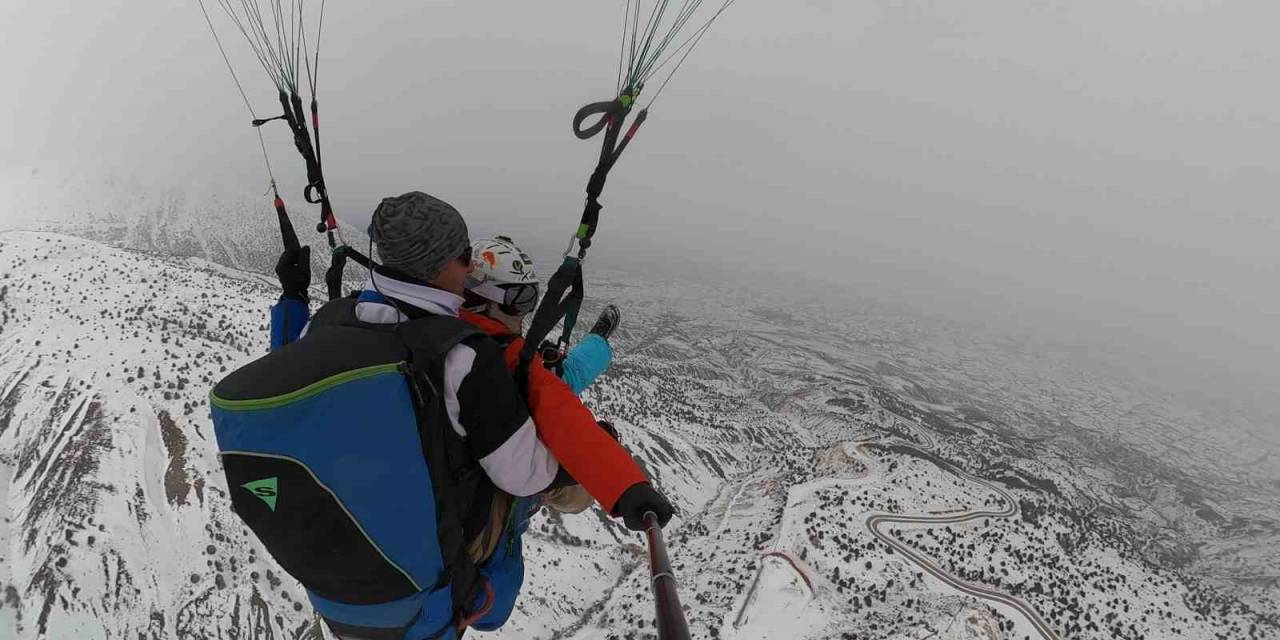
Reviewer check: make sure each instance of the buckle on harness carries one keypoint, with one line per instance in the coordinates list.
(552, 354)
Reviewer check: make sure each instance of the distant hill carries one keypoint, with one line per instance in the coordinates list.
(226, 227)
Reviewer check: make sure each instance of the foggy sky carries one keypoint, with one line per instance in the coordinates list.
(1100, 170)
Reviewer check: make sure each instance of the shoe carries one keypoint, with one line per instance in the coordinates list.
(609, 320)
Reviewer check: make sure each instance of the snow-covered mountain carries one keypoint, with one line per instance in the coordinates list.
(232, 228)
(839, 472)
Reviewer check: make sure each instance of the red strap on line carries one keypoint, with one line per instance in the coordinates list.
(484, 608)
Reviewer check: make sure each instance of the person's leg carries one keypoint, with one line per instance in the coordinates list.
(570, 499)
(592, 356)
(585, 362)
(503, 570)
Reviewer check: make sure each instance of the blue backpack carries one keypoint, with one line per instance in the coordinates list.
(339, 456)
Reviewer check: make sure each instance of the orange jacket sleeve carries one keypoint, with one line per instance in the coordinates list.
(591, 456)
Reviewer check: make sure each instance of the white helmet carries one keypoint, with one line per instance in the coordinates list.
(503, 274)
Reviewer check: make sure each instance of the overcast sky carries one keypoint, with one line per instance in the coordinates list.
(1086, 168)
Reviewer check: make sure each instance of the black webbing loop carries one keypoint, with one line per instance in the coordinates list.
(310, 193)
(602, 109)
(261, 121)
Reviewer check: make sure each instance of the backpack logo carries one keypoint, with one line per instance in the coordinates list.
(265, 488)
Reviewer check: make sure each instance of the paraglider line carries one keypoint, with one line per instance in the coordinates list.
(261, 143)
(622, 46)
(691, 43)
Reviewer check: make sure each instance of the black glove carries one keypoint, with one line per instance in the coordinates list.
(639, 499)
(294, 271)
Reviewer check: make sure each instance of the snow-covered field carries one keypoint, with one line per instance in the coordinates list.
(780, 433)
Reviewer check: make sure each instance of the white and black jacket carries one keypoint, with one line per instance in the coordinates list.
(483, 403)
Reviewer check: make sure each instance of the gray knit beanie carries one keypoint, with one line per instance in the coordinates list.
(418, 234)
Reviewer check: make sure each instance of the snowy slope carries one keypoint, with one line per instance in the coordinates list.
(118, 524)
(779, 435)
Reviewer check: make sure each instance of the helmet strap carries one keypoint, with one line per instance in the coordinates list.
(507, 316)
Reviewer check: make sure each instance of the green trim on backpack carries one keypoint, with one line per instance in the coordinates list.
(336, 499)
(307, 391)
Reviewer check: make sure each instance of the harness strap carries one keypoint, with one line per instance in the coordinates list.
(565, 290)
(453, 472)
(337, 264)
(287, 234)
(471, 618)
(562, 300)
(308, 144)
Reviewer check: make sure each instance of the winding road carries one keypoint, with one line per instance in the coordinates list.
(877, 524)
